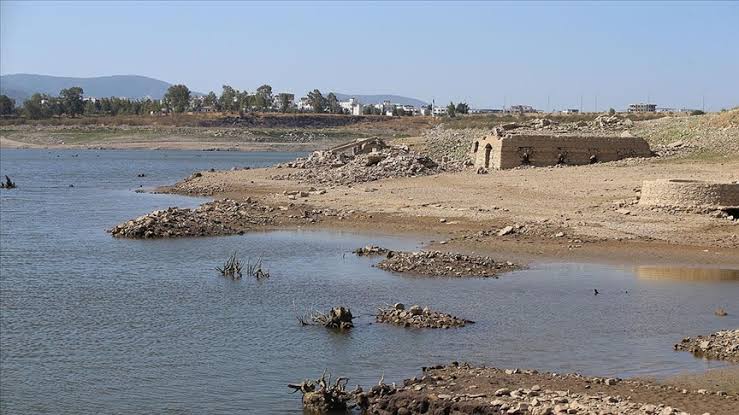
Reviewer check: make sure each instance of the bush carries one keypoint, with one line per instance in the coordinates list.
(611, 111)
(697, 112)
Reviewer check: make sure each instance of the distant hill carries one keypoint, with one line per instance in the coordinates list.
(22, 86)
(377, 99)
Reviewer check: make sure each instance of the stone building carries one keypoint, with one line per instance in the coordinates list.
(507, 149)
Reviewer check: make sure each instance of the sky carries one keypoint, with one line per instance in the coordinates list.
(551, 55)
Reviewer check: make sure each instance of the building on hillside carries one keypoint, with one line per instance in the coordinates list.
(640, 107)
(570, 111)
(352, 106)
(305, 105)
(439, 111)
(424, 111)
(521, 109)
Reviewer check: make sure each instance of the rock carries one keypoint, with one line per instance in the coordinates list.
(505, 231)
(722, 345)
(419, 318)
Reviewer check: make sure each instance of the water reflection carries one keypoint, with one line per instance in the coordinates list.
(686, 273)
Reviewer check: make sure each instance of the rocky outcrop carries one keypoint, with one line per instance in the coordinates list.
(325, 167)
(220, 217)
(723, 345)
(441, 264)
(419, 317)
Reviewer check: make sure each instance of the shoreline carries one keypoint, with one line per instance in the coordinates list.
(454, 219)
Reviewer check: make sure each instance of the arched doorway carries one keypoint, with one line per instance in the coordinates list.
(488, 149)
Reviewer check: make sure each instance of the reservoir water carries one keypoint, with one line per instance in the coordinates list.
(92, 324)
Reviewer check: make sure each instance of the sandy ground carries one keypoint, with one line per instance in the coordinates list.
(581, 202)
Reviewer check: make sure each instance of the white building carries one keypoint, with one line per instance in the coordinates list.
(352, 106)
(439, 111)
(304, 104)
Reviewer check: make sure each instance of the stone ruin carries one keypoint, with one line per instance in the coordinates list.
(360, 146)
(690, 193)
(513, 145)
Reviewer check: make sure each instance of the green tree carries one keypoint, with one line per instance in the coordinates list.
(7, 105)
(211, 100)
(265, 93)
(451, 110)
(462, 108)
(71, 101)
(228, 99)
(244, 100)
(317, 101)
(285, 101)
(38, 106)
(178, 98)
(333, 103)
(611, 111)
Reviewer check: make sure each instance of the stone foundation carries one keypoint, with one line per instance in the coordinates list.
(689, 193)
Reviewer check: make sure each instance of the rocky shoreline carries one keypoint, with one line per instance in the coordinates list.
(444, 264)
(418, 317)
(463, 389)
(722, 345)
(217, 218)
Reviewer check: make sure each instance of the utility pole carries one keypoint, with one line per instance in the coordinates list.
(596, 103)
(548, 107)
(580, 104)
(703, 103)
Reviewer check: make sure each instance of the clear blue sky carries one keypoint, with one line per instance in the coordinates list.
(673, 53)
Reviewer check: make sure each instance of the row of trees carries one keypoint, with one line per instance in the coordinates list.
(178, 98)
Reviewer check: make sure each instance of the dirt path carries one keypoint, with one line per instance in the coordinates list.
(582, 213)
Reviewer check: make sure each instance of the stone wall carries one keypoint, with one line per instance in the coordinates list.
(513, 150)
(689, 193)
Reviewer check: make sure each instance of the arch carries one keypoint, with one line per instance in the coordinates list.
(488, 149)
(477, 145)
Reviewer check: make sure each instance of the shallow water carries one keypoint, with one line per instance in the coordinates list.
(93, 324)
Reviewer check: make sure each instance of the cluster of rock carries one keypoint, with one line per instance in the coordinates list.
(465, 390)
(419, 317)
(443, 264)
(370, 250)
(723, 345)
(220, 217)
(339, 169)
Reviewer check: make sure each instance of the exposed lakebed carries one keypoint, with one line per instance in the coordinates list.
(96, 324)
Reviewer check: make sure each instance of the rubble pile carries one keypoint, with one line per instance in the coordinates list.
(220, 217)
(418, 317)
(441, 264)
(451, 147)
(461, 389)
(723, 345)
(327, 168)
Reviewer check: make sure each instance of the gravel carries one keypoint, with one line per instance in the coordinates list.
(723, 345)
